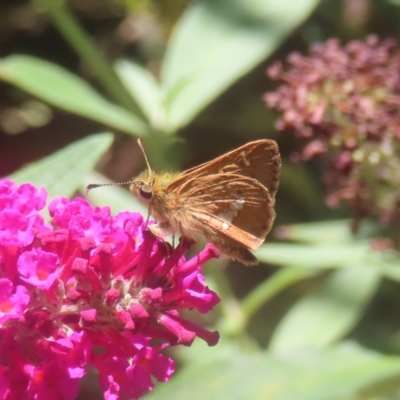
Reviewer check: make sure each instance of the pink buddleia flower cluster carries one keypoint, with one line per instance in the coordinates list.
(344, 101)
(90, 289)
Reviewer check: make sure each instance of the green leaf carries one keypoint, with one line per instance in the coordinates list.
(218, 41)
(272, 286)
(62, 172)
(85, 47)
(335, 374)
(325, 232)
(317, 256)
(116, 197)
(388, 263)
(328, 313)
(144, 88)
(62, 89)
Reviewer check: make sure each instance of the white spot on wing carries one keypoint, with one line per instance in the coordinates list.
(237, 205)
(231, 213)
(228, 215)
(225, 226)
(245, 160)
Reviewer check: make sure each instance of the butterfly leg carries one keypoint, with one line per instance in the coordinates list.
(160, 230)
(197, 250)
(147, 220)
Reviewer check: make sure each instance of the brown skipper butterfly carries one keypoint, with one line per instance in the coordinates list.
(229, 201)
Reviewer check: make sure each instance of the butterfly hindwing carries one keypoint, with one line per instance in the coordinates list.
(234, 242)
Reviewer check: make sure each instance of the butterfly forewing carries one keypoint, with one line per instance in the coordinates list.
(259, 160)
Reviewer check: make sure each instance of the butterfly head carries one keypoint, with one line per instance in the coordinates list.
(142, 187)
(149, 186)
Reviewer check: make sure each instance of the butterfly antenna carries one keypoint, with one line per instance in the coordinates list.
(96, 185)
(144, 155)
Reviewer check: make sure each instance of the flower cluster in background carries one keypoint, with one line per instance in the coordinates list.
(345, 101)
(90, 289)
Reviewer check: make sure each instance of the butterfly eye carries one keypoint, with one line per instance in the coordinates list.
(146, 191)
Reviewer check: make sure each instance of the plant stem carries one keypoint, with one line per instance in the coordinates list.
(87, 50)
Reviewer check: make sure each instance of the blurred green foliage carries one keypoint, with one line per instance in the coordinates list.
(318, 319)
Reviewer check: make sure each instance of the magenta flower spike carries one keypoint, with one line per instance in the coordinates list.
(90, 289)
